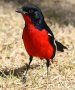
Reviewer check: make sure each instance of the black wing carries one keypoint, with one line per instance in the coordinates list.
(48, 29)
(51, 39)
(58, 45)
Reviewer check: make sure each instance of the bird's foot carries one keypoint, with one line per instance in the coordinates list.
(24, 79)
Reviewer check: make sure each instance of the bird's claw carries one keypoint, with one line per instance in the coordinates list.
(24, 79)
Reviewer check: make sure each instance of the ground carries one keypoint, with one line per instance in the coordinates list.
(13, 57)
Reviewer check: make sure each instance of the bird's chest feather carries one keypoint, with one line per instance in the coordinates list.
(36, 42)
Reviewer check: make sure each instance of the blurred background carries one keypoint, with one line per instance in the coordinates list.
(58, 10)
(60, 17)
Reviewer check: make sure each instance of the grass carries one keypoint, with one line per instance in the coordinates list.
(13, 57)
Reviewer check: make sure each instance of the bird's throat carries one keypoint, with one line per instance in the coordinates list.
(27, 19)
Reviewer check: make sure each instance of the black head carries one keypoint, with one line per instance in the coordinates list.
(32, 11)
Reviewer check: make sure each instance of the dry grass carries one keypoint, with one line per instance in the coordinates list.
(14, 57)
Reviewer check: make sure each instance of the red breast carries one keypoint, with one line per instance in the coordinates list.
(36, 41)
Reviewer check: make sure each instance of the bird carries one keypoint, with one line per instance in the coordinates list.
(38, 39)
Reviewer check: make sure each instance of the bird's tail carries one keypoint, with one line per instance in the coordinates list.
(60, 47)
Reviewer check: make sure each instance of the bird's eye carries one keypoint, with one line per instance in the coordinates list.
(30, 11)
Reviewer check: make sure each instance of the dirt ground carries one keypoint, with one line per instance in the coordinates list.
(13, 57)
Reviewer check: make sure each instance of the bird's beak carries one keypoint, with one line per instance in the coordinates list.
(19, 10)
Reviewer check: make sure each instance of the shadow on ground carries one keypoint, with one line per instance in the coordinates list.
(17, 72)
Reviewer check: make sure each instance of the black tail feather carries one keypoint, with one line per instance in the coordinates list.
(60, 47)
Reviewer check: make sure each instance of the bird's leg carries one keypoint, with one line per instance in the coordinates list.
(25, 73)
(47, 64)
